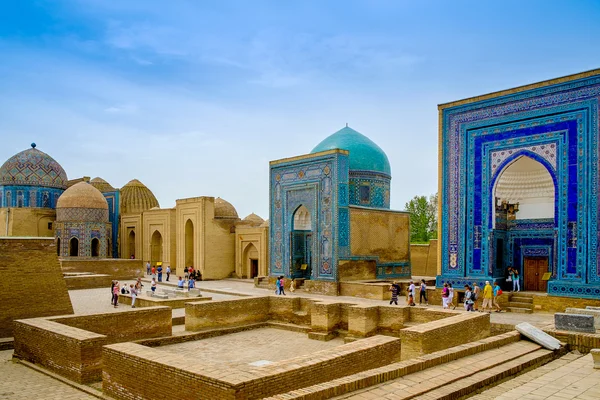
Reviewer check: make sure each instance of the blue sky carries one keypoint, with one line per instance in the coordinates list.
(194, 98)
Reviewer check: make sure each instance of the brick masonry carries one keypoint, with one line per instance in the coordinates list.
(72, 345)
(37, 287)
(188, 379)
(117, 268)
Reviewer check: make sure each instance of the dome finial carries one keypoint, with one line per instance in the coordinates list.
(33, 145)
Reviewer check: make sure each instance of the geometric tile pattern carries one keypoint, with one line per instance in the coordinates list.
(556, 125)
(33, 167)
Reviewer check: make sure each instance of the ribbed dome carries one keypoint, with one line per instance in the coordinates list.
(102, 185)
(254, 219)
(224, 209)
(82, 202)
(136, 198)
(365, 155)
(33, 167)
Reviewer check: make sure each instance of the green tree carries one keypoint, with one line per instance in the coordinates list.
(423, 218)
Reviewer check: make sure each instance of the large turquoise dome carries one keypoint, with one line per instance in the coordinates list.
(365, 155)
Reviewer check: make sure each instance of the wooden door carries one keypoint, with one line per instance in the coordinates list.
(253, 268)
(535, 268)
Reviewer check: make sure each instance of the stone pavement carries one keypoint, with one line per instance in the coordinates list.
(19, 382)
(570, 377)
(263, 344)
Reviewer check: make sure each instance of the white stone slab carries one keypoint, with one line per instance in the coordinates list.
(260, 363)
(538, 336)
(585, 311)
(592, 308)
(596, 357)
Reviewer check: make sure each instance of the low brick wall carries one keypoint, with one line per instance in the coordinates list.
(196, 381)
(144, 301)
(374, 291)
(248, 310)
(88, 281)
(117, 268)
(444, 333)
(72, 345)
(321, 287)
(555, 304)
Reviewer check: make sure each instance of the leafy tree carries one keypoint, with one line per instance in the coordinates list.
(423, 218)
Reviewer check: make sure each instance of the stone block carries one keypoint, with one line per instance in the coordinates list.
(181, 294)
(195, 292)
(538, 336)
(585, 311)
(149, 293)
(574, 322)
(596, 357)
(592, 308)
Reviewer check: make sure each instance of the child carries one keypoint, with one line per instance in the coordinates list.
(153, 287)
(293, 285)
(133, 291)
(468, 298)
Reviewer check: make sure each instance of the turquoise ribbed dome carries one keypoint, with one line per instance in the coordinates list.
(365, 155)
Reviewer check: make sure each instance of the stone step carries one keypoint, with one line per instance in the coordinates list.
(428, 366)
(521, 299)
(519, 310)
(494, 375)
(518, 304)
(522, 294)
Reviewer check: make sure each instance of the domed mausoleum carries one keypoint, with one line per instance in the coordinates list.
(31, 178)
(82, 225)
(330, 220)
(136, 198)
(369, 169)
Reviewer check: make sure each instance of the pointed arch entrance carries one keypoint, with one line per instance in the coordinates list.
(95, 247)
(189, 244)
(250, 259)
(131, 244)
(301, 243)
(156, 248)
(524, 200)
(74, 247)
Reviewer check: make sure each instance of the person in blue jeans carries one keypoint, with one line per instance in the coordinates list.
(159, 270)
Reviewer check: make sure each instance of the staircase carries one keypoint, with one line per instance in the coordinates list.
(438, 376)
(519, 302)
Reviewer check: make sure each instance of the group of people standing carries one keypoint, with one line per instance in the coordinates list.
(132, 289)
(491, 295)
(157, 272)
(410, 293)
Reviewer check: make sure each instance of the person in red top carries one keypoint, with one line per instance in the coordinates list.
(191, 271)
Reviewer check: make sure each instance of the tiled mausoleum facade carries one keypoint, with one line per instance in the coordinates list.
(315, 202)
(519, 187)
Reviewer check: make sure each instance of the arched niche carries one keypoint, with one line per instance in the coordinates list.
(95, 247)
(527, 185)
(74, 247)
(189, 243)
(131, 244)
(156, 245)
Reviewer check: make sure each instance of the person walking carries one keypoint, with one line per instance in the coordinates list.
(488, 296)
(451, 296)
(133, 291)
(191, 283)
(282, 285)
(138, 285)
(468, 298)
(395, 289)
(445, 295)
(515, 280)
(159, 270)
(112, 292)
(423, 292)
(411, 294)
(116, 289)
(497, 294)
(278, 286)
(293, 285)
(168, 271)
(153, 272)
(148, 268)
(475, 296)
(153, 286)
(186, 272)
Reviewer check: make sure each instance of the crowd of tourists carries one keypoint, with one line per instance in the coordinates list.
(133, 289)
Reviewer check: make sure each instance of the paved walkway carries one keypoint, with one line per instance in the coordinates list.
(19, 382)
(570, 377)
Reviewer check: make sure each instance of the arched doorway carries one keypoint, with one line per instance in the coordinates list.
(301, 243)
(189, 244)
(156, 246)
(131, 244)
(524, 224)
(58, 247)
(74, 247)
(250, 262)
(95, 247)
